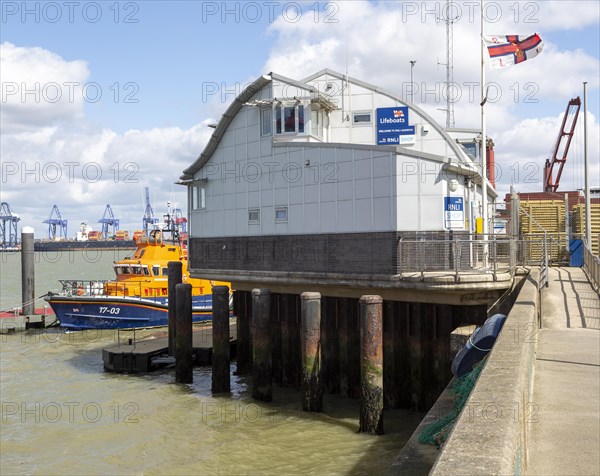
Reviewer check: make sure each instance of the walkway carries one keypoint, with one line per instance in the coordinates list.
(564, 431)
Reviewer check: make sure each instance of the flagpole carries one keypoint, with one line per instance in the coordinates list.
(483, 142)
(588, 206)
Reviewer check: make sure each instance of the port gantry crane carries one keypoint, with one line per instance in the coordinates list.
(180, 220)
(561, 148)
(54, 221)
(108, 220)
(149, 219)
(8, 226)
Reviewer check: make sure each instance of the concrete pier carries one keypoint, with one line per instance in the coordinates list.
(27, 271)
(220, 338)
(371, 365)
(183, 340)
(312, 381)
(175, 278)
(262, 365)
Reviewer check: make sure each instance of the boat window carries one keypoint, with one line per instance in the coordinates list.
(136, 270)
(156, 270)
(165, 271)
(146, 270)
(142, 253)
(118, 270)
(125, 270)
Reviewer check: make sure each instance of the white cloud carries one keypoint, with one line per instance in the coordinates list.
(39, 87)
(51, 155)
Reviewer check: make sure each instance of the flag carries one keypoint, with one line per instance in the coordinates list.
(512, 49)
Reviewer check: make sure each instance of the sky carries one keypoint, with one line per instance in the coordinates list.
(102, 99)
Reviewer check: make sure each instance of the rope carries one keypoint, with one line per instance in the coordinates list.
(473, 344)
(33, 301)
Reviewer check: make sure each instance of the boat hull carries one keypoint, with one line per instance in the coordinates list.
(109, 312)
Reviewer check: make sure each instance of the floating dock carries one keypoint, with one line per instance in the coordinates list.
(151, 354)
(16, 321)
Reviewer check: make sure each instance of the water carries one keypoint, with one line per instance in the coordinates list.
(62, 414)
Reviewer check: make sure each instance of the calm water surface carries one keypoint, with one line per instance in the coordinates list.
(62, 414)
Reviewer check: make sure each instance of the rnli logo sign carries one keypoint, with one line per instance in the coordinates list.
(392, 126)
(454, 214)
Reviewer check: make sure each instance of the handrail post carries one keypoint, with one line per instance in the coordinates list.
(546, 259)
(421, 259)
(455, 258)
(494, 258)
(399, 260)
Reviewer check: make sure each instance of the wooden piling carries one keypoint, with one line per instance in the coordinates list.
(262, 366)
(276, 338)
(416, 361)
(286, 318)
(312, 382)
(242, 314)
(175, 277)
(220, 339)
(27, 271)
(330, 345)
(353, 344)
(371, 359)
(343, 319)
(390, 373)
(183, 339)
(403, 355)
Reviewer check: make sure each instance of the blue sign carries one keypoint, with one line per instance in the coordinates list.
(454, 214)
(392, 126)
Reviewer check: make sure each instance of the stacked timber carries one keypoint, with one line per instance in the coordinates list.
(537, 216)
(578, 221)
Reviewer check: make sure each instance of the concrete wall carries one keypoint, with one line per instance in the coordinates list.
(490, 434)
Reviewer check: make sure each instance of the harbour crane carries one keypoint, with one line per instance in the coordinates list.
(8, 226)
(149, 219)
(108, 220)
(561, 148)
(180, 220)
(55, 221)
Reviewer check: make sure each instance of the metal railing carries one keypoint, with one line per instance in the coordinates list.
(591, 264)
(83, 287)
(497, 254)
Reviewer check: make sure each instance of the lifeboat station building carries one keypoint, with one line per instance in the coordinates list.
(332, 184)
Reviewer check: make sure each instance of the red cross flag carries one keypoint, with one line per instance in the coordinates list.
(507, 50)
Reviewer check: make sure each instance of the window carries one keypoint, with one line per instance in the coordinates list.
(281, 215)
(289, 119)
(165, 271)
(199, 197)
(146, 270)
(266, 122)
(253, 215)
(316, 122)
(361, 118)
(472, 149)
(156, 270)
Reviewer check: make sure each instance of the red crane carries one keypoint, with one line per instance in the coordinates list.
(561, 148)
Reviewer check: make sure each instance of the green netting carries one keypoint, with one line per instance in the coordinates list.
(437, 432)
